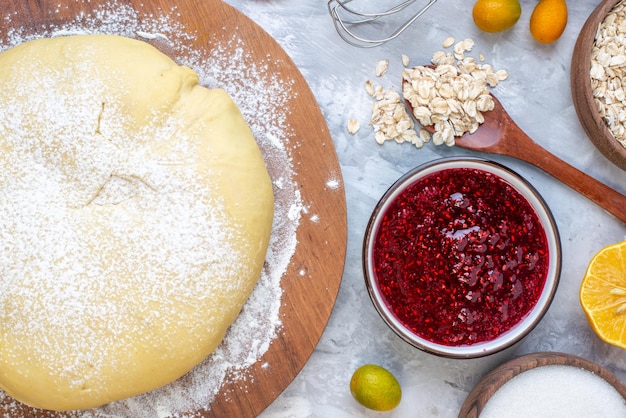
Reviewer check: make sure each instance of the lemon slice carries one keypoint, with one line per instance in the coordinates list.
(603, 294)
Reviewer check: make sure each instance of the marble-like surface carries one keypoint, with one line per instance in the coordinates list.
(537, 95)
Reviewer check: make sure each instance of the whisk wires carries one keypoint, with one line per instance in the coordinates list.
(345, 18)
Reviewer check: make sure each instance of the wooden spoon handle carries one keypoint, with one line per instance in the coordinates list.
(606, 197)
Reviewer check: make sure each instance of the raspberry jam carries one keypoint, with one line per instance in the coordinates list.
(460, 256)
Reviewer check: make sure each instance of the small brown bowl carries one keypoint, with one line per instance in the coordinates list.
(592, 122)
(495, 379)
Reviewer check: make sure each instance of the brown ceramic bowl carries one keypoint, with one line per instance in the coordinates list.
(483, 391)
(592, 122)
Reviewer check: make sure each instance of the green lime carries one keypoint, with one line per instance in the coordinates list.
(375, 388)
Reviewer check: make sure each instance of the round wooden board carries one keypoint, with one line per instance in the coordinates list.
(307, 299)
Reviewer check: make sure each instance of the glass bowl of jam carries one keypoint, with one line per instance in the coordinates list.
(462, 257)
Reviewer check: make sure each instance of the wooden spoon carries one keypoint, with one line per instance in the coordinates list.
(500, 135)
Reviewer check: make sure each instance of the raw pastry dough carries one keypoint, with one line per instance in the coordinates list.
(135, 214)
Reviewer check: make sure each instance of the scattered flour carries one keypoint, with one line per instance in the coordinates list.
(263, 101)
(333, 184)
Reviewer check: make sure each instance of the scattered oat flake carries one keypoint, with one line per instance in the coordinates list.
(405, 60)
(381, 67)
(353, 126)
(448, 42)
(369, 88)
(391, 121)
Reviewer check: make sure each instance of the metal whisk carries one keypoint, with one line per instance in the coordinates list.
(345, 18)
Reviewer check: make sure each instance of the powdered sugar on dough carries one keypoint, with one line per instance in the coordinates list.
(263, 101)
